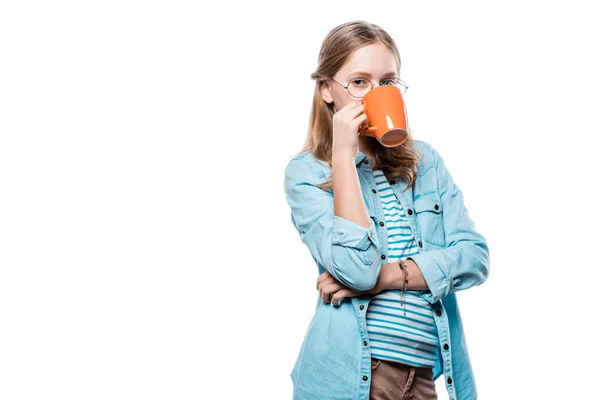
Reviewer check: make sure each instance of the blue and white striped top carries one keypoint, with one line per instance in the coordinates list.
(410, 339)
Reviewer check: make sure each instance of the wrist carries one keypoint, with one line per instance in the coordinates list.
(387, 276)
(342, 154)
(391, 276)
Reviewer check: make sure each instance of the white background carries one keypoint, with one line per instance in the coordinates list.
(146, 247)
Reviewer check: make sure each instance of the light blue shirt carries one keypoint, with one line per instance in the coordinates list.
(334, 359)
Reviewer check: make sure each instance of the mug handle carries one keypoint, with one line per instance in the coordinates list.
(370, 131)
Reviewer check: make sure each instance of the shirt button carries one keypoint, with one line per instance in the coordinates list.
(446, 347)
(392, 182)
(365, 377)
(374, 191)
(420, 244)
(449, 380)
(381, 223)
(362, 307)
(436, 207)
(438, 312)
(409, 211)
(383, 256)
(365, 161)
(365, 343)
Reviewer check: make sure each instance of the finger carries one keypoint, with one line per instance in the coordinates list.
(327, 291)
(356, 111)
(361, 120)
(323, 277)
(341, 294)
(350, 111)
(350, 106)
(325, 283)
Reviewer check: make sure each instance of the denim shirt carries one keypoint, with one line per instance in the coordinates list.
(334, 358)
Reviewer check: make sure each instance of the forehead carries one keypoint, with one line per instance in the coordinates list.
(375, 59)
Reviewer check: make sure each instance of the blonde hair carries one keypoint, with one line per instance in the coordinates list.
(337, 47)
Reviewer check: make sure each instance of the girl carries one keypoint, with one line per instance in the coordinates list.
(391, 237)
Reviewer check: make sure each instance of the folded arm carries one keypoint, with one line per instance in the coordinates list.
(464, 262)
(349, 251)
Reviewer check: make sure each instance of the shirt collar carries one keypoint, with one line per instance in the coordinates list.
(359, 157)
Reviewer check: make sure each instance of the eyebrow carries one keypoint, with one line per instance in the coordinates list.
(369, 75)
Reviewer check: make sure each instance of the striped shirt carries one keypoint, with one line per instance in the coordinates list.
(410, 339)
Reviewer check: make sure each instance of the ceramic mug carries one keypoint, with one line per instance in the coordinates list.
(385, 109)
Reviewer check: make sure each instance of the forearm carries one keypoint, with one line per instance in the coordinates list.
(348, 201)
(392, 277)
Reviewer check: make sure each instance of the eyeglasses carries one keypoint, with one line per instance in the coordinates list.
(359, 87)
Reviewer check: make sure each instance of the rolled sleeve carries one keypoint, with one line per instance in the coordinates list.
(350, 234)
(348, 251)
(431, 269)
(464, 262)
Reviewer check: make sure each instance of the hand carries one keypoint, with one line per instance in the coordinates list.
(331, 291)
(345, 128)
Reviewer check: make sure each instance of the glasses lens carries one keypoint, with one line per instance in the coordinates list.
(358, 87)
(395, 82)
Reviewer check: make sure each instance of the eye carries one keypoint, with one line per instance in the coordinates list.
(389, 81)
(359, 82)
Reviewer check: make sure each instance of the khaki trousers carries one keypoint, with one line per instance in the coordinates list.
(395, 381)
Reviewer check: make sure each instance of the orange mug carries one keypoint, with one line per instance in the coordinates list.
(385, 109)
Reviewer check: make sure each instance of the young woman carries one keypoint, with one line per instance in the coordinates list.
(391, 237)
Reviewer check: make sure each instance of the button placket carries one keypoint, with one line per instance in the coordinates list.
(442, 327)
(406, 203)
(376, 210)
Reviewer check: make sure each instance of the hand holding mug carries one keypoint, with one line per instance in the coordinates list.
(346, 122)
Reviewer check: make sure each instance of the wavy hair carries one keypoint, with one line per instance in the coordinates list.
(339, 44)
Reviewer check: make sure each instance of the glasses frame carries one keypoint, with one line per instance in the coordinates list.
(372, 85)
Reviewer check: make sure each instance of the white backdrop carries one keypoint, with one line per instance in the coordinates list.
(146, 247)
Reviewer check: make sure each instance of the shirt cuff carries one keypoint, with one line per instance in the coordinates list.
(432, 274)
(350, 234)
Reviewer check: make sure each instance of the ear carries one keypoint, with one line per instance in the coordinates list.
(326, 92)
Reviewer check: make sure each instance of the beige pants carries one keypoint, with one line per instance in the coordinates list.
(396, 381)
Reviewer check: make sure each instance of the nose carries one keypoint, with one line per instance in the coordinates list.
(373, 86)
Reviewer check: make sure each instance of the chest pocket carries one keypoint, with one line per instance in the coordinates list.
(430, 217)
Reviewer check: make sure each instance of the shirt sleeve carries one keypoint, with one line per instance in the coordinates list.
(464, 262)
(350, 252)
